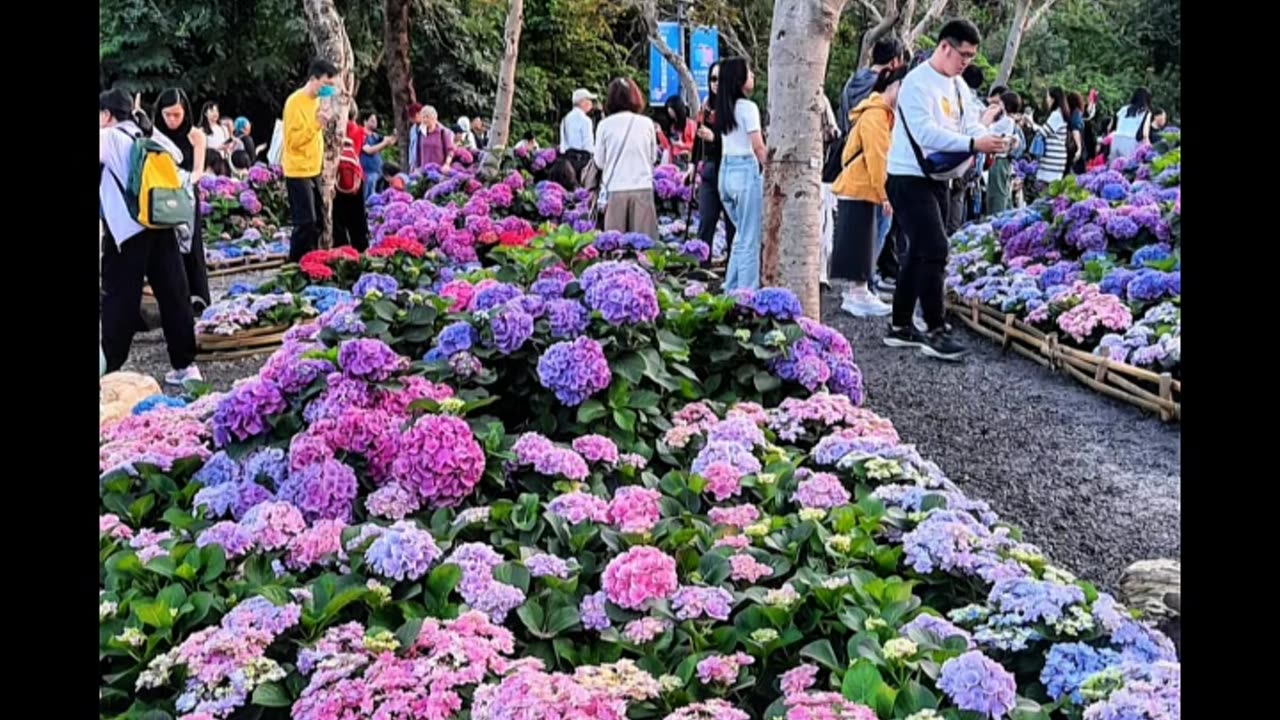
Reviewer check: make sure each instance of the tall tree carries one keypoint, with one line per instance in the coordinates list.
(1024, 19)
(884, 23)
(399, 71)
(500, 131)
(329, 38)
(914, 28)
(798, 49)
(688, 86)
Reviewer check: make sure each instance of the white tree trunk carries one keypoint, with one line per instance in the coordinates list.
(931, 15)
(688, 86)
(329, 37)
(884, 24)
(1014, 41)
(500, 131)
(1023, 21)
(798, 48)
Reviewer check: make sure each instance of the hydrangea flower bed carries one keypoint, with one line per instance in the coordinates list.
(569, 482)
(230, 206)
(244, 310)
(1098, 261)
(252, 246)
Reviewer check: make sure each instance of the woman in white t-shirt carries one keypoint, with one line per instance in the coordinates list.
(1133, 125)
(625, 153)
(741, 183)
(211, 123)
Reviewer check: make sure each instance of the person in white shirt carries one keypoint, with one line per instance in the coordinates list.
(626, 149)
(132, 253)
(576, 131)
(936, 135)
(1132, 125)
(741, 183)
(211, 123)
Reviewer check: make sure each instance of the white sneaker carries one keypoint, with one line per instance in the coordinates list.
(179, 378)
(922, 326)
(864, 304)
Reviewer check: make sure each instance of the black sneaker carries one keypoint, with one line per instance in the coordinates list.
(939, 344)
(907, 337)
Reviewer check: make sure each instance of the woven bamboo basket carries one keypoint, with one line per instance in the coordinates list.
(258, 264)
(1156, 392)
(213, 348)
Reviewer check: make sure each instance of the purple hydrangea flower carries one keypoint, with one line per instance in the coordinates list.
(1068, 665)
(370, 282)
(593, 612)
(568, 318)
(402, 552)
(370, 359)
(574, 370)
(777, 303)
(692, 602)
(325, 490)
(512, 328)
(979, 684)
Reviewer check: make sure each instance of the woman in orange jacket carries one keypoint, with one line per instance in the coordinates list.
(860, 190)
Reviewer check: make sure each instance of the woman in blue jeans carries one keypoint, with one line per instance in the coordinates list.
(737, 122)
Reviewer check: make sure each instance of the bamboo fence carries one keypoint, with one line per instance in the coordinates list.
(1156, 392)
(247, 343)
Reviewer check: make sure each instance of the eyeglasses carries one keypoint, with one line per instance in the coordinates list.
(714, 78)
(967, 55)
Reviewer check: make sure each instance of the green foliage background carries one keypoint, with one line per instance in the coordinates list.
(249, 54)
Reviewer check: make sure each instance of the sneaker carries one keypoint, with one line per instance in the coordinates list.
(864, 304)
(887, 283)
(939, 344)
(904, 338)
(179, 378)
(922, 326)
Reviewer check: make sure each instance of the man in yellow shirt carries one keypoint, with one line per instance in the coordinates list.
(306, 112)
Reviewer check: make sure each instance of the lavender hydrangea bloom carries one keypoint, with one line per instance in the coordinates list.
(574, 370)
(402, 552)
(777, 303)
(1117, 282)
(692, 602)
(375, 282)
(622, 293)
(218, 470)
(697, 250)
(1122, 227)
(243, 413)
(1027, 601)
(495, 295)
(1068, 665)
(512, 328)
(568, 318)
(325, 490)
(454, 338)
(977, 683)
(939, 628)
(1149, 286)
(544, 565)
(269, 463)
(1155, 253)
(370, 359)
(593, 612)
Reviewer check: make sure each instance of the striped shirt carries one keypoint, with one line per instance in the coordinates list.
(1054, 163)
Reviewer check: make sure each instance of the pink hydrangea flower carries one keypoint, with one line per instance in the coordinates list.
(440, 459)
(111, 526)
(597, 448)
(635, 509)
(738, 516)
(798, 679)
(723, 669)
(578, 507)
(723, 481)
(639, 575)
(745, 567)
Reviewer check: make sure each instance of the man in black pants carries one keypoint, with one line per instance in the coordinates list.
(937, 125)
(132, 253)
(306, 113)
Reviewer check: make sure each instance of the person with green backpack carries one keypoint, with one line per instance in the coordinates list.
(142, 204)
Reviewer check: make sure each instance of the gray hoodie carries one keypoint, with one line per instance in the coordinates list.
(857, 89)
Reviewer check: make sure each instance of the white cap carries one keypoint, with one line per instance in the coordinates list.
(582, 94)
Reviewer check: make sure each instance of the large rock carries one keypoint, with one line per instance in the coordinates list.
(118, 392)
(1155, 588)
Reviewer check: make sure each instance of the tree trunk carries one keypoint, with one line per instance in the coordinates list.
(884, 25)
(399, 72)
(1023, 21)
(935, 10)
(500, 130)
(329, 37)
(798, 48)
(688, 86)
(1014, 41)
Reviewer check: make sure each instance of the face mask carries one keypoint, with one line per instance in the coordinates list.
(327, 91)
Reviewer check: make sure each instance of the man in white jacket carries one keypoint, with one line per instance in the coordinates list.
(937, 129)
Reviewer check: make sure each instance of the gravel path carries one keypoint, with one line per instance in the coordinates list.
(148, 355)
(1094, 482)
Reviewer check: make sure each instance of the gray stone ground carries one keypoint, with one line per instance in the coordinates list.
(1093, 482)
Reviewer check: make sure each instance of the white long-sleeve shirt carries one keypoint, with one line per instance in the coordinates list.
(575, 131)
(625, 158)
(114, 149)
(940, 120)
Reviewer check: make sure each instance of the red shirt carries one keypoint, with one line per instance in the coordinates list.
(356, 136)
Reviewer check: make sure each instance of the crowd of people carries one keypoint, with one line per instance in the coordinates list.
(923, 150)
(916, 150)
